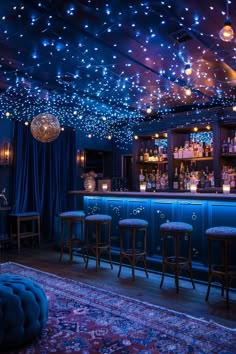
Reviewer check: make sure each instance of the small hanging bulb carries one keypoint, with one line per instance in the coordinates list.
(188, 69)
(227, 33)
(188, 91)
(149, 110)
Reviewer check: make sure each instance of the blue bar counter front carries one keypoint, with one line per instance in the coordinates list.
(200, 210)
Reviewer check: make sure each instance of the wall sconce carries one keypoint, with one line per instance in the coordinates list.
(5, 154)
(80, 158)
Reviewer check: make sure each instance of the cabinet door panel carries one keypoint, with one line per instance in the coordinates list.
(161, 211)
(195, 213)
(116, 209)
(94, 205)
(223, 214)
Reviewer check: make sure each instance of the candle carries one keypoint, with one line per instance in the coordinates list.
(142, 187)
(193, 188)
(226, 188)
(104, 187)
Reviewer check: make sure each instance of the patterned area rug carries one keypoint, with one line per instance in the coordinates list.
(85, 319)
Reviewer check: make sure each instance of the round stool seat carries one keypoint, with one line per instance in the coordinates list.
(133, 223)
(176, 226)
(23, 309)
(221, 231)
(72, 214)
(98, 218)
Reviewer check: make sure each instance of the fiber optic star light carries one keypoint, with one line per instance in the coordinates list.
(45, 127)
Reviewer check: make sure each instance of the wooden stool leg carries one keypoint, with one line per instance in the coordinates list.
(145, 252)
(121, 250)
(62, 239)
(133, 252)
(71, 240)
(163, 260)
(109, 243)
(190, 259)
(209, 270)
(176, 267)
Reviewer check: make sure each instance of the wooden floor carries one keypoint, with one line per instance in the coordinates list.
(190, 301)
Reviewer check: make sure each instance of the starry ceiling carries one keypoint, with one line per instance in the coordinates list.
(98, 65)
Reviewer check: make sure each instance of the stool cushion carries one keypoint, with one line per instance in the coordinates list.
(30, 213)
(72, 214)
(132, 222)
(221, 231)
(23, 310)
(176, 226)
(98, 217)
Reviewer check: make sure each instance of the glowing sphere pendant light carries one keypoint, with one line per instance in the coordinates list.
(227, 33)
(45, 127)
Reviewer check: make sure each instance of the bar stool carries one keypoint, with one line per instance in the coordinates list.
(224, 235)
(177, 262)
(101, 241)
(24, 225)
(133, 239)
(71, 218)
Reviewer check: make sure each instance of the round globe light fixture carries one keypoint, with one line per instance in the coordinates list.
(45, 127)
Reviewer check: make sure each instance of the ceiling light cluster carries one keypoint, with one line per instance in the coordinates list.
(91, 78)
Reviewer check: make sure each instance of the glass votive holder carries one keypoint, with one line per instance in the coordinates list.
(105, 187)
(143, 187)
(226, 188)
(193, 188)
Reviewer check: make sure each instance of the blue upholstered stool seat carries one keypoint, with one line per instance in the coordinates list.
(26, 214)
(176, 226)
(98, 217)
(133, 223)
(23, 310)
(72, 214)
(221, 231)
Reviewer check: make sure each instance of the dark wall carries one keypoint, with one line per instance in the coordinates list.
(6, 136)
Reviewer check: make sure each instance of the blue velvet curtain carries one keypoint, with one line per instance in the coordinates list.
(43, 174)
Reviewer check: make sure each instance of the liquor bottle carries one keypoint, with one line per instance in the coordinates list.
(176, 180)
(146, 156)
(141, 176)
(141, 155)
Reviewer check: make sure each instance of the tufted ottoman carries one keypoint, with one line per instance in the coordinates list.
(23, 310)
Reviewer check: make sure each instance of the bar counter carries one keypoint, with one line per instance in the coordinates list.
(201, 210)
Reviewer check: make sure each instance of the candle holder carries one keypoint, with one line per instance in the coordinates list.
(142, 187)
(226, 188)
(104, 187)
(193, 188)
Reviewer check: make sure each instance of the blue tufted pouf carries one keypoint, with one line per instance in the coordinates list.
(23, 310)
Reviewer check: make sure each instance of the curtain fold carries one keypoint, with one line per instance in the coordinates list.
(43, 174)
